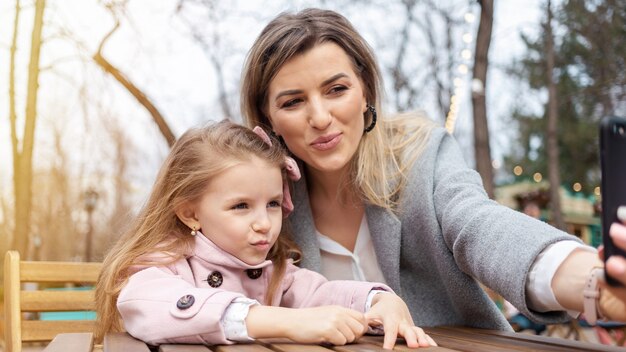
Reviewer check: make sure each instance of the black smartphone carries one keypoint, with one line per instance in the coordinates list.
(613, 165)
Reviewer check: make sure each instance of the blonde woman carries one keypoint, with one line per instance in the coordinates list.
(391, 199)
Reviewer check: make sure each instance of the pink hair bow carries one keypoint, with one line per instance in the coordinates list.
(293, 172)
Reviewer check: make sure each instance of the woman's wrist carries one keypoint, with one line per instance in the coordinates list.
(570, 279)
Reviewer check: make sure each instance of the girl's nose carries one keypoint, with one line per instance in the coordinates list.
(319, 115)
(262, 223)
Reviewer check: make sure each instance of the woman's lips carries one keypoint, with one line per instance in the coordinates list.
(326, 142)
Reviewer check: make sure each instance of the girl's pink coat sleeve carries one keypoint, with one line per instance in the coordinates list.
(149, 309)
(306, 288)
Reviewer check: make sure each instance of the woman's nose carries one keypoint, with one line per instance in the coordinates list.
(319, 115)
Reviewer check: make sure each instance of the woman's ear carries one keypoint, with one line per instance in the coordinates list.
(187, 214)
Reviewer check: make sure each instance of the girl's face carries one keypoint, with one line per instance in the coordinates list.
(316, 104)
(241, 210)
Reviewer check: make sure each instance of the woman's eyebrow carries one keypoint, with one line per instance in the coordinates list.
(324, 83)
(334, 78)
(287, 92)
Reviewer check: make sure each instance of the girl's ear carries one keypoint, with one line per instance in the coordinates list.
(187, 214)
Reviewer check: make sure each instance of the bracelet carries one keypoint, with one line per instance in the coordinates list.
(591, 296)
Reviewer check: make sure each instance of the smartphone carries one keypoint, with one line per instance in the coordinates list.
(613, 188)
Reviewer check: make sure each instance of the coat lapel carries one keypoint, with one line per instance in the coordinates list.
(385, 230)
(303, 227)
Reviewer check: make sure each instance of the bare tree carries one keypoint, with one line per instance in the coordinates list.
(479, 106)
(23, 174)
(141, 97)
(210, 40)
(12, 108)
(55, 229)
(554, 176)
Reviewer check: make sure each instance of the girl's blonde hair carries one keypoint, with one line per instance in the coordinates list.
(195, 159)
(379, 168)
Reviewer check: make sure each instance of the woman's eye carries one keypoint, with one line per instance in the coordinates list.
(291, 103)
(273, 204)
(337, 89)
(240, 206)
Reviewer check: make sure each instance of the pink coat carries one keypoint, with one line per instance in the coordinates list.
(183, 302)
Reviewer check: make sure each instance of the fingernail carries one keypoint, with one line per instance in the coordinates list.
(621, 213)
(617, 265)
(616, 232)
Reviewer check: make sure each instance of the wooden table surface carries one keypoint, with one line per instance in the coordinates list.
(448, 338)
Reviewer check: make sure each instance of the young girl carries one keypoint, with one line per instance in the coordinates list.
(208, 247)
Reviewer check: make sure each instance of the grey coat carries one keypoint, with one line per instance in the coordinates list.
(447, 236)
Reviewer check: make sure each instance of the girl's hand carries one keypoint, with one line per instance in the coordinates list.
(327, 324)
(613, 299)
(391, 312)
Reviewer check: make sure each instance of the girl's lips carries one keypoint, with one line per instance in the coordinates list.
(262, 245)
(326, 142)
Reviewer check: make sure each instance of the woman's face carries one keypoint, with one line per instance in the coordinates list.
(316, 104)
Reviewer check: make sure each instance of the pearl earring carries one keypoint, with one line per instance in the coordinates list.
(194, 231)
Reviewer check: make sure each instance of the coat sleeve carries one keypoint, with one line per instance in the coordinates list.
(305, 288)
(490, 242)
(158, 306)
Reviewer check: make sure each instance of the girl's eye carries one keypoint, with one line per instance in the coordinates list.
(240, 206)
(273, 204)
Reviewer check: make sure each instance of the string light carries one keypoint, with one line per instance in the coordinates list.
(596, 191)
(517, 170)
(577, 187)
(463, 69)
(537, 177)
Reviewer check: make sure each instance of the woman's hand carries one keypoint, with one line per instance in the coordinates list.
(327, 324)
(391, 312)
(613, 299)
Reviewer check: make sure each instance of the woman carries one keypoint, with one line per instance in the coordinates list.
(392, 200)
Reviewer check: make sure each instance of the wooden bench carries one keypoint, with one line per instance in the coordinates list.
(18, 302)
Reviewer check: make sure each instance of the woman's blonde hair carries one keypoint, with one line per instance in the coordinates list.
(379, 167)
(195, 159)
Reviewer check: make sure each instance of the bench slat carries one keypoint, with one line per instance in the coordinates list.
(46, 330)
(57, 301)
(75, 342)
(241, 348)
(59, 271)
(183, 348)
(123, 342)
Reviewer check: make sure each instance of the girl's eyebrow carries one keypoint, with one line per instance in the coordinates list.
(298, 91)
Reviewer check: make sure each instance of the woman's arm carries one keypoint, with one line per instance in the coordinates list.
(570, 279)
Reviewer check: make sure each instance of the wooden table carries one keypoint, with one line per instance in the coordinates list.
(448, 338)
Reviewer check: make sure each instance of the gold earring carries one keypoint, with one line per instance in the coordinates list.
(194, 231)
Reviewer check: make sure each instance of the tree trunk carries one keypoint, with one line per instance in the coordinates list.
(139, 95)
(479, 108)
(552, 138)
(24, 174)
(13, 113)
